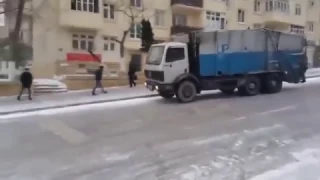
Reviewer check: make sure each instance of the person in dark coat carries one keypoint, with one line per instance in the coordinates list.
(26, 79)
(303, 63)
(132, 74)
(98, 78)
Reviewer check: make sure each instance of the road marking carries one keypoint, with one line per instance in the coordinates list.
(278, 110)
(240, 118)
(64, 131)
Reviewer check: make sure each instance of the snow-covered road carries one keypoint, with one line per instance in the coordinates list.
(269, 137)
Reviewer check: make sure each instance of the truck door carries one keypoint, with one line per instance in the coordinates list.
(176, 63)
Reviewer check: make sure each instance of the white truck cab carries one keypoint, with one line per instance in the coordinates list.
(164, 63)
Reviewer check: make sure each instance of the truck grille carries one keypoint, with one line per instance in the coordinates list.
(155, 75)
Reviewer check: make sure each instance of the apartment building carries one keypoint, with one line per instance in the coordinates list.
(64, 29)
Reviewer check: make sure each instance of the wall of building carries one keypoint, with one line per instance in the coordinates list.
(56, 22)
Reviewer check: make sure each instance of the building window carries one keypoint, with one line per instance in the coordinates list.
(82, 42)
(298, 9)
(135, 31)
(278, 5)
(296, 29)
(136, 60)
(179, 20)
(215, 20)
(310, 26)
(257, 5)
(108, 11)
(85, 5)
(136, 3)
(159, 18)
(109, 44)
(241, 16)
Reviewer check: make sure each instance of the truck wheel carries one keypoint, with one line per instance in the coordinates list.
(228, 91)
(251, 87)
(166, 95)
(273, 83)
(186, 92)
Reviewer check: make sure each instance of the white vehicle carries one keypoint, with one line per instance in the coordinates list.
(251, 61)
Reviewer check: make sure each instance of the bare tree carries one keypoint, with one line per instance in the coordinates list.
(133, 14)
(12, 7)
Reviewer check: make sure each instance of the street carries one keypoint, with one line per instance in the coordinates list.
(216, 137)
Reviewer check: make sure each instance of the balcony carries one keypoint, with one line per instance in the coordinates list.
(81, 20)
(276, 18)
(177, 29)
(183, 5)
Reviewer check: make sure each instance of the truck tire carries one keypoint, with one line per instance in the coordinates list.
(166, 95)
(186, 92)
(251, 86)
(273, 83)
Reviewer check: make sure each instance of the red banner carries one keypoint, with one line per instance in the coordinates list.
(83, 57)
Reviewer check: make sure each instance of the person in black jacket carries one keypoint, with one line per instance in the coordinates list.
(98, 78)
(26, 79)
(132, 74)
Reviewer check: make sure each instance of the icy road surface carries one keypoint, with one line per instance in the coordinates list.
(267, 137)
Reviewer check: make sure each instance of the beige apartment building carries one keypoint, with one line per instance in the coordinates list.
(64, 29)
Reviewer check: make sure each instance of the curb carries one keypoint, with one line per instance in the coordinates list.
(76, 104)
(94, 102)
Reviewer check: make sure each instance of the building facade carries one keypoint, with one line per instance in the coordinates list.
(63, 30)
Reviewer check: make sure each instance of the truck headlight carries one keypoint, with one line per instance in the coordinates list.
(145, 84)
(157, 88)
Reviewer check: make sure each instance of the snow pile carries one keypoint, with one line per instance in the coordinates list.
(48, 86)
(306, 167)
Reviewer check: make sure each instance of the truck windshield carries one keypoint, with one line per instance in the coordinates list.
(155, 55)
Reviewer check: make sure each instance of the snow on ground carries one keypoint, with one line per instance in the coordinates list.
(88, 107)
(307, 166)
(49, 82)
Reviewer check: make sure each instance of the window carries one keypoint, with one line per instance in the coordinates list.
(278, 5)
(136, 60)
(298, 9)
(215, 20)
(108, 11)
(136, 3)
(109, 44)
(257, 5)
(135, 31)
(241, 15)
(180, 20)
(85, 5)
(159, 17)
(310, 26)
(82, 42)
(175, 54)
(297, 29)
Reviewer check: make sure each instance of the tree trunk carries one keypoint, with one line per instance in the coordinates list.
(15, 35)
(122, 49)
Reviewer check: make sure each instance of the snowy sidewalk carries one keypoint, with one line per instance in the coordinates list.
(10, 105)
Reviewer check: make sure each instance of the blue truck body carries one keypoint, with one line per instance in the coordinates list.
(238, 52)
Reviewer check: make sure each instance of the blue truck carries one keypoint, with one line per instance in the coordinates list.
(249, 61)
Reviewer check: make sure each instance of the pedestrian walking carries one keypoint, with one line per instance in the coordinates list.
(132, 74)
(98, 78)
(303, 63)
(26, 79)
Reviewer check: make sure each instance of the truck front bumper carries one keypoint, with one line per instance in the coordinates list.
(156, 86)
